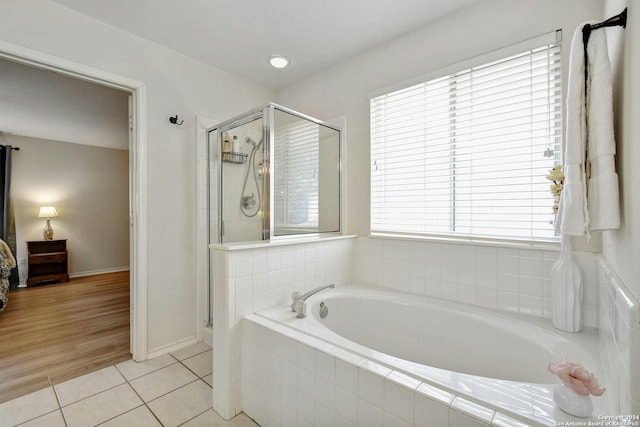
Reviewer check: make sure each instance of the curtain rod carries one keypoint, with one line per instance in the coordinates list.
(11, 147)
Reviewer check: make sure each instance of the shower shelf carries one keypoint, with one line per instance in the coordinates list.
(237, 158)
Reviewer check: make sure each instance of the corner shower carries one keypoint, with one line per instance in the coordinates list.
(274, 174)
(280, 177)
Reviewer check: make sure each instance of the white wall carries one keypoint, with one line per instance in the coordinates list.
(619, 292)
(622, 248)
(175, 84)
(483, 27)
(89, 187)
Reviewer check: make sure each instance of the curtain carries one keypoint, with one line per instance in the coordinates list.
(7, 225)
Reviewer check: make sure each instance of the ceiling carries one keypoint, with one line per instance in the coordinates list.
(44, 104)
(239, 35)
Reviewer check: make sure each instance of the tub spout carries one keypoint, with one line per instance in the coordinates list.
(308, 294)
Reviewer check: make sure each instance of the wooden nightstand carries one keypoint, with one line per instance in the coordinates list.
(47, 262)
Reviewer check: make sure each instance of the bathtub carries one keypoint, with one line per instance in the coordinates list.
(496, 360)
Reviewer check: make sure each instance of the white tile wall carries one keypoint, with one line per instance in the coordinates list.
(254, 279)
(250, 280)
(619, 333)
(510, 279)
(265, 277)
(290, 379)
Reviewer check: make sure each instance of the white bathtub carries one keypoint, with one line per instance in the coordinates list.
(493, 358)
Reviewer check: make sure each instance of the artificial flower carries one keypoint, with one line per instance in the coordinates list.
(557, 176)
(575, 376)
(556, 189)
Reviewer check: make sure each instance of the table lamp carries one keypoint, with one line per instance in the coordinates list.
(48, 212)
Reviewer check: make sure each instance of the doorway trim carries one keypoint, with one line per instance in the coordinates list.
(137, 172)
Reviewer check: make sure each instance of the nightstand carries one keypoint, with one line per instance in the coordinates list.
(47, 262)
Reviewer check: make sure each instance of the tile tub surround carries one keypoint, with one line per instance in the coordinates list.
(505, 278)
(252, 277)
(169, 390)
(248, 278)
(293, 379)
(619, 336)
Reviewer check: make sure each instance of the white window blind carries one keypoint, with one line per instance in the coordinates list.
(467, 154)
(296, 153)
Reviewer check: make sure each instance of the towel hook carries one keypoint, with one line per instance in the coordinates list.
(174, 120)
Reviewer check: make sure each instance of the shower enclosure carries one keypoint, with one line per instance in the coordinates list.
(273, 173)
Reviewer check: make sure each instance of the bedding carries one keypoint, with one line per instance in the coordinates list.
(7, 262)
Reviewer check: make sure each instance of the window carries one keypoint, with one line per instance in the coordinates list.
(467, 154)
(296, 148)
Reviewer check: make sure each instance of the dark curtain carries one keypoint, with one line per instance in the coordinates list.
(7, 225)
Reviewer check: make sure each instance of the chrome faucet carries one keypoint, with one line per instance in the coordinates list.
(308, 294)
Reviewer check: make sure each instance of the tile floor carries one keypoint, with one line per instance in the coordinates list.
(170, 390)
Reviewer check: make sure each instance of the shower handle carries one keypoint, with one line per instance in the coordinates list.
(248, 202)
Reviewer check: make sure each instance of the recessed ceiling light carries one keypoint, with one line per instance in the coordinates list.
(279, 61)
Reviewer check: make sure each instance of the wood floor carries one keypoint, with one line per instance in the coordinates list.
(52, 333)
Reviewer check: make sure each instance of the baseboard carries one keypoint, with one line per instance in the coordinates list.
(94, 272)
(178, 345)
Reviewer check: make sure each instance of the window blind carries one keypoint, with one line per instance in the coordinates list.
(467, 154)
(296, 152)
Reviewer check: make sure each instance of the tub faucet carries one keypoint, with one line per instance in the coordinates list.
(308, 294)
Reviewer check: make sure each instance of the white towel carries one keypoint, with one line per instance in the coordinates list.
(598, 208)
(603, 193)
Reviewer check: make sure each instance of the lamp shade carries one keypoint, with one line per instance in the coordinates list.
(47, 212)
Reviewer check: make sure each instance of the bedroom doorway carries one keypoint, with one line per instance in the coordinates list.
(137, 173)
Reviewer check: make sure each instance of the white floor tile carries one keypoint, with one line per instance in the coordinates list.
(28, 407)
(241, 420)
(202, 364)
(208, 379)
(52, 419)
(88, 385)
(104, 397)
(139, 417)
(206, 419)
(183, 404)
(132, 370)
(163, 381)
(191, 351)
(212, 419)
(101, 407)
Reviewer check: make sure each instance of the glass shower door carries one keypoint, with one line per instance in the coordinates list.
(306, 175)
(241, 177)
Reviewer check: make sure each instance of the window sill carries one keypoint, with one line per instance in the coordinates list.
(502, 243)
(295, 240)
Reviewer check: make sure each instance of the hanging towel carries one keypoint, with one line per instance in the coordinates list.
(603, 193)
(590, 198)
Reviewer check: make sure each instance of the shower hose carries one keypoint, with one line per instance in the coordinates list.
(252, 167)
